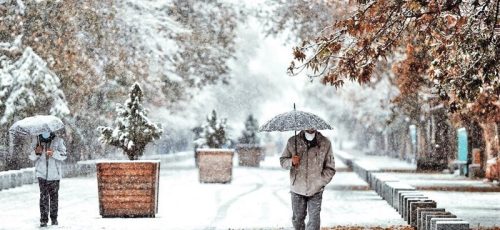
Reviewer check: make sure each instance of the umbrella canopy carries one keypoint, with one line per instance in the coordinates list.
(294, 121)
(36, 125)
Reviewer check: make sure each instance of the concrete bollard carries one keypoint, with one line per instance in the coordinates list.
(364, 169)
(408, 203)
(391, 191)
(400, 196)
(452, 225)
(414, 208)
(372, 180)
(428, 218)
(420, 211)
(380, 180)
(434, 220)
(404, 199)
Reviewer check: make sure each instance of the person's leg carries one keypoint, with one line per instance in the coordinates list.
(299, 206)
(44, 201)
(314, 209)
(54, 200)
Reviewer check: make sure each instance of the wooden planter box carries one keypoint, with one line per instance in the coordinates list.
(215, 165)
(249, 155)
(128, 188)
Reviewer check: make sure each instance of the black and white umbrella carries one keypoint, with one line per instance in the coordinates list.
(294, 121)
(36, 125)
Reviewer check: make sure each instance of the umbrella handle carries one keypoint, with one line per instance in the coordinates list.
(296, 153)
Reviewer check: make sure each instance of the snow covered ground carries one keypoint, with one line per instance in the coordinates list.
(256, 198)
(460, 195)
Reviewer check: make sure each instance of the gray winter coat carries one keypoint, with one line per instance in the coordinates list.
(51, 168)
(316, 167)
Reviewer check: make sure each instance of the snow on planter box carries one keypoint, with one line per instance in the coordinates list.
(249, 155)
(215, 165)
(128, 188)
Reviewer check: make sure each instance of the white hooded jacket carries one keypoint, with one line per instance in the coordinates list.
(50, 168)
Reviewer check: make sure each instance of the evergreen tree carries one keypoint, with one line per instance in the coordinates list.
(214, 132)
(29, 87)
(133, 130)
(249, 135)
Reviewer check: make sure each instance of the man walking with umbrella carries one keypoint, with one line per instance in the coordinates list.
(309, 158)
(308, 155)
(48, 155)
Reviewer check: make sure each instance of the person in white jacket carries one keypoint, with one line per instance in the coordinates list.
(48, 154)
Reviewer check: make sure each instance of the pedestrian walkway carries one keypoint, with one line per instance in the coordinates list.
(473, 200)
(257, 198)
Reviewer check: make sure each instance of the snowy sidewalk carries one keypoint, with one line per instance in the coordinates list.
(256, 198)
(471, 199)
(406, 172)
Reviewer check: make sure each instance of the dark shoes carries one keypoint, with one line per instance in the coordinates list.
(44, 224)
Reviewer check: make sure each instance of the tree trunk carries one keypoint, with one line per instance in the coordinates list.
(491, 139)
(434, 141)
(476, 141)
(443, 139)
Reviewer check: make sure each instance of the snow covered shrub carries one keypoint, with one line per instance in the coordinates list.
(133, 130)
(249, 135)
(214, 133)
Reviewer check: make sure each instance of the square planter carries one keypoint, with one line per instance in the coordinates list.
(215, 165)
(249, 155)
(128, 188)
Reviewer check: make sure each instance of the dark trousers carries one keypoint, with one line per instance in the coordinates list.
(49, 198)
(302, 205)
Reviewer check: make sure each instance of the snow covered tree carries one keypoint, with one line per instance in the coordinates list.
(303, 18)
(205, 50)
(29, 87)
(214, 132)
(133, 130)
(99, 47)
(249, 135)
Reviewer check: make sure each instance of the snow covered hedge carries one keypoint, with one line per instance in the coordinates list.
(133, 130)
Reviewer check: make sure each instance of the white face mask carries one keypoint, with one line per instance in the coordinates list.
(310, 136)
(46, 135)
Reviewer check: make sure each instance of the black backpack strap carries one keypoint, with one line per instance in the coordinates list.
(38, 142)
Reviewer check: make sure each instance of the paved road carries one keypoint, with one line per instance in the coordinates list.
(256, 198)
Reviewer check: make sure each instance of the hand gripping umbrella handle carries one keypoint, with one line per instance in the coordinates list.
(295, 118)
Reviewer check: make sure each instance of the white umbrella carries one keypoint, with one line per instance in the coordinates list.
(36, 125)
